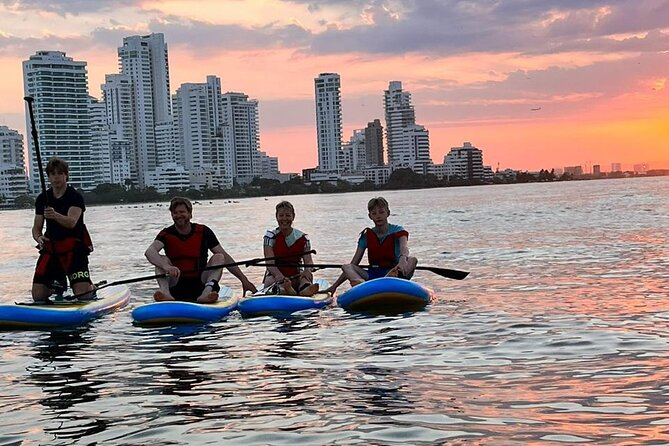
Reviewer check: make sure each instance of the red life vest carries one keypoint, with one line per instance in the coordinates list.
(68, 244)
(63, 250)
(187, 254)
(88, 243)
(380, 253)
(293, 253)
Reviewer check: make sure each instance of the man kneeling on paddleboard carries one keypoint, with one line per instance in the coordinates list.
(190, 276)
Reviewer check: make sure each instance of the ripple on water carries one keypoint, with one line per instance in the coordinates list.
(558, 335)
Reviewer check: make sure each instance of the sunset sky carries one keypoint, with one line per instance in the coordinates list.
(594, 71)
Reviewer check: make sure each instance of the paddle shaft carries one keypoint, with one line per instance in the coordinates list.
(250, 262)
(277, 282)
(444, 272)
(30, 100)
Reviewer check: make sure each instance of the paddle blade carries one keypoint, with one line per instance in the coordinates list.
(445, 272)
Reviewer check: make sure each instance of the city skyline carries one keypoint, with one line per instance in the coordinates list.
(535, 88)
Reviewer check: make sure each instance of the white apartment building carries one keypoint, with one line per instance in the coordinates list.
(327, 88)
(100, 157)
(206, 143)
(11, 147)
(166, 150)
(121, 152)
(464, 163)
(415, 143)
(202, 179)
(268, 166)
(168, 176)
(117, 95)
(13, 180)
(377, 174)
(399, 114)
(195, 128)
(144, 60)
(222, 156)
(59, 86)
(240, 132)
(353, 156)
(13, 183)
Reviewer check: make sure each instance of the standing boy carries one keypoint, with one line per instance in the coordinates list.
(65, 246)
(187, 247)
(388, 249)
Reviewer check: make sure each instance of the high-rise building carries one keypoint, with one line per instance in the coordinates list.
(374, 143)
(59, 85)
(464, 163)
(328, 120)
(100, 159)
(218, 134)
(399, 115)
(240, 132)
(215, 102)
(221, 159)
(166, 150)
(144, 60)
(13, 180)
(11, 147)
(415, 146)
(408, 143)
(195, 123)
(269, 165)
(353, 156)
(117, 94)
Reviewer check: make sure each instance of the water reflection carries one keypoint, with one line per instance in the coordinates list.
(380, 391)
(175, 369)
(65, 383)
(191, 374)
(281, 381)
(558, 336)
(297, 323)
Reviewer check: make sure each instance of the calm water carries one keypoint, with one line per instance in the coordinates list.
(559, 336)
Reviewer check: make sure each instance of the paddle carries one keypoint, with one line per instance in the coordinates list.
(30, 100)
(444, 272)
(104, 284)
(250, 262)
(262, 291)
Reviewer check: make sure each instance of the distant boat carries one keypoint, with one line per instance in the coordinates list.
(536, 109)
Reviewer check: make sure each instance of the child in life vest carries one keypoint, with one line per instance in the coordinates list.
(387, 247)
(292, 246)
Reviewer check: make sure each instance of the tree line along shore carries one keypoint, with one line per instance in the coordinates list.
(400, 179)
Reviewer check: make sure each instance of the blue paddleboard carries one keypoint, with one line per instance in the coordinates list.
(280, 305)
(385, 294)
(178, 312)
(62, 315)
